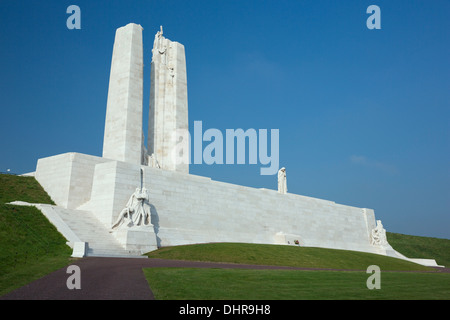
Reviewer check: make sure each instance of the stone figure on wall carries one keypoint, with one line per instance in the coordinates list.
(136, 211)
(141, 214)
(158, 39)
(379, 234)
(282, 183)
(152, 162)
(159, 46)
(126, 213)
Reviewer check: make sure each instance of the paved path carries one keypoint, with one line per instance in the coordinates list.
(107, 278)
(112, 279)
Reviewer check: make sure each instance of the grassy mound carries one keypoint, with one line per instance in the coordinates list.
(244, 284)
(17, 188)
(30, 246)
(421, 247)
(266, 254)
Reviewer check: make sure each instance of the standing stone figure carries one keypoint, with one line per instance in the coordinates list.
(282, 184)
(152, 162)
(159, 45)
(379, 234)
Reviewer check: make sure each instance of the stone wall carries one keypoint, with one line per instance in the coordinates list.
(193, 209)
(67, 177)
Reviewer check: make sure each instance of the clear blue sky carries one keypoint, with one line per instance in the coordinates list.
(363, 114)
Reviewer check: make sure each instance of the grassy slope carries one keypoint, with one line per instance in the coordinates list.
(283, 256)
(13, 188)
(230, 284)
(30, 246)
(421, 247)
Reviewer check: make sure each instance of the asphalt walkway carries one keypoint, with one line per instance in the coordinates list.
(112, 279)
(107, 279)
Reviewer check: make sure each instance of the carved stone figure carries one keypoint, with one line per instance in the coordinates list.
(141, 214)
(136, 211)
(160, 46)
(379, 234)
(282, 183)
(125, 214)
(157, 41)
(152, 162)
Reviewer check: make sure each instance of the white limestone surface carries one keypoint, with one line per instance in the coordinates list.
(112, 184)
(79, 249)
(67, 177)
(192, 209)
(168, 113)
(123, 125)
(139, 238)
(188, 209)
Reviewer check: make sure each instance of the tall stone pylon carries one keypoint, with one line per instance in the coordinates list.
(123, 139)
(168, 135)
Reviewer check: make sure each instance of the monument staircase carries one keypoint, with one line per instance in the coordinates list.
(83, 226)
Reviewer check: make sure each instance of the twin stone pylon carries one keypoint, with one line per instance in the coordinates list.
(168, 113)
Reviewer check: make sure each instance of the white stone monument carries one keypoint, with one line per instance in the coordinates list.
(133, 227)
(123, 125)
(168, 114)
(145, 201)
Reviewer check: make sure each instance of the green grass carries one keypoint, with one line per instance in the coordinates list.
(421, 247)
(15, 188)
(266, 254)
(30, 246)
(244, 284)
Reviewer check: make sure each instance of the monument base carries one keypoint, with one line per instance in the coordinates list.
(79, 249)
(137, 238)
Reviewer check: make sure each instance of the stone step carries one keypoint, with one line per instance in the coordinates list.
(113, 253)
(81, 227)
(90, 230)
